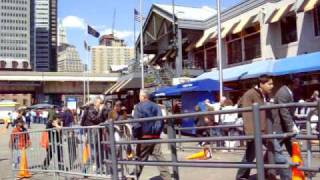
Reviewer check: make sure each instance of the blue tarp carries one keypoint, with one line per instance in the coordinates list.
(204, 85)
(298, 64)
(291, 65)
(240, 72)
(168, 91)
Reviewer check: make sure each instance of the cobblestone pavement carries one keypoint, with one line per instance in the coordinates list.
(148, 172)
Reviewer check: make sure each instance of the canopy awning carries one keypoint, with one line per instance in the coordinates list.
(203, 85)
(123, 85)
(291, 65)
(206, 35)
(245, 21)
(276, 14)
(191, 46)
(298, 64)
(227, 27)
(306, 5)
(114, 87)
(241, 72)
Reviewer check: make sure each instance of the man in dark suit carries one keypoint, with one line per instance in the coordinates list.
(284, 117)
(259, 94)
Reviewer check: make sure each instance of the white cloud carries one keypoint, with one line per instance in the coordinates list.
(122, 34)
(73, 22)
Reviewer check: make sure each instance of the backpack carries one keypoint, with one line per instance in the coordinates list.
(150, 127)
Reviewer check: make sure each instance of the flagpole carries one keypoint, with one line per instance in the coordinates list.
(219, 51)
(84, 68)
(88, 72)
(141, 46)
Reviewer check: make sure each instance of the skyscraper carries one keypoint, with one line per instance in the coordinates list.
(15, 39)
(46, 35)
(68, 57)
(112, 52)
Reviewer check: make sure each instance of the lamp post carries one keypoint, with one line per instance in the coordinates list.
(219, 51)
(141, 46)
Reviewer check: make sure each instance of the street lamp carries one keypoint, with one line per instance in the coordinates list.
(141, 46)
(219, 51)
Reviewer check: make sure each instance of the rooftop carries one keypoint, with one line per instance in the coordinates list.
(189, 13)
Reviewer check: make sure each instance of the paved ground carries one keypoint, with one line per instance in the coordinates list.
(148, 173)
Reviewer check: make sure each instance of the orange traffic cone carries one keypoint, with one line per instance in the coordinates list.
(85, 154)
(202, 155)
(23, 172)
(296, 158)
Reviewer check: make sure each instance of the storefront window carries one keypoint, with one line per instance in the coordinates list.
(198, 60)
(244, 46)
(211, 58)
(289, 29)
(234, 52)
(252, 47)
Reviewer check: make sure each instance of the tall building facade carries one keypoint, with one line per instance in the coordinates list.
(45, 35)
(68, 57)
(111, 52)
(15, 38)
(62, 35)
(111, 40)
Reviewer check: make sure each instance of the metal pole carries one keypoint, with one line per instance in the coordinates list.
(114, 163)
(258, 141)
(219, 51)
(84, 84)
(318, 108)
(84, 67)
(173, 148)
(141, 46)
(88, 72)
(309, 147)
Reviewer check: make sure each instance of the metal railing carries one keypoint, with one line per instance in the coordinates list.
(105, 146)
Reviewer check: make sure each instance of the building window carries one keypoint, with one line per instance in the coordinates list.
(14, 64)
(234, 52)
(24, 102)
(252, 47)
(317, 20)
(198, 60)
(289, 29)
(211, 58)
(3, 64)
(245, 45)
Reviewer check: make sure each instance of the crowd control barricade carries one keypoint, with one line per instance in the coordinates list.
(75, 151)
(102, 151)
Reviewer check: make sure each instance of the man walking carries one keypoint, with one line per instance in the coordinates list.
(284, 117)
(147, 131)
(258, 94)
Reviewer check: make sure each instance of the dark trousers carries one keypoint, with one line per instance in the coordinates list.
(50, 152)
(288, 144)
(154, 150)
(274, 148)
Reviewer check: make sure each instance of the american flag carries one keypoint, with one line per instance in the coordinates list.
(137, 15)
(93, 32)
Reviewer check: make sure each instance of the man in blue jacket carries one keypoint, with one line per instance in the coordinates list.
(147, 131)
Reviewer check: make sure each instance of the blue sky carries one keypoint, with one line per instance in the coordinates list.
(74, 14)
